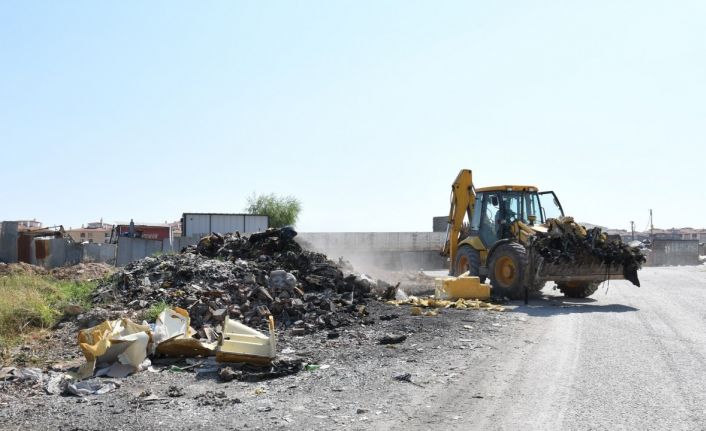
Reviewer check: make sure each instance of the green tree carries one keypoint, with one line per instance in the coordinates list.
(282, 210)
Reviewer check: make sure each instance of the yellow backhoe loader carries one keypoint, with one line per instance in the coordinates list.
(509, 229)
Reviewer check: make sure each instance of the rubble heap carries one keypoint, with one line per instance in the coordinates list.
(244, 278)
(568, 242)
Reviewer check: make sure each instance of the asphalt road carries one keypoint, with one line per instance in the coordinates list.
(627, 358)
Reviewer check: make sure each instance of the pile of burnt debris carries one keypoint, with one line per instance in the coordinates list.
(568, 242)
(248, 279)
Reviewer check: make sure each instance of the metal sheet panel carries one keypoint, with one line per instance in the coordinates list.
(255, 223)
(227, 223)
(24, 249)
(196, 224)
(8, 242)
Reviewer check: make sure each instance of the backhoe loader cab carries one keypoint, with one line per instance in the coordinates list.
(496, 208)
(504, 222)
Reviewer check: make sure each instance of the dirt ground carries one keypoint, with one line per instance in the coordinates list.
(354, 388)
(626, 358)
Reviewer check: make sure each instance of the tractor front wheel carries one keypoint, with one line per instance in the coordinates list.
(507, 269)
(467, 260)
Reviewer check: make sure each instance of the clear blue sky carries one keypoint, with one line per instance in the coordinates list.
(365, 111)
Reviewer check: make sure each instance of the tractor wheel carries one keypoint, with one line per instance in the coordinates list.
(467, 259)
(507, 269)
(578, 289)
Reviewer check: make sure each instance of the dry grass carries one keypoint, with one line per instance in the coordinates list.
(31, 302)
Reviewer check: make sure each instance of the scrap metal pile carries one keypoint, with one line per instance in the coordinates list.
(568, 242)
(244, 278)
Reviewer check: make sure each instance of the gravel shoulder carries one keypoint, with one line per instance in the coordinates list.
(626, 358)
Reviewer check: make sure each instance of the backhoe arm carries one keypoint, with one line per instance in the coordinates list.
(463, 199)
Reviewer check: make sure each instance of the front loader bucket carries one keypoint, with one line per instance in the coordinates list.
(591, 272)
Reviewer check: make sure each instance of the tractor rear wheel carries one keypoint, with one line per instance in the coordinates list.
(507, 269)
(467, 259)
(578, 289)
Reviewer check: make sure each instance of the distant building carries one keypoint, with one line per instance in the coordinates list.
(176, 227)
(156, 231)
(689, 233)
(95, 232)
(31, 224)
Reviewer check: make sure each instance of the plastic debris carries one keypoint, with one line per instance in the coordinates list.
(392, 338)
(57, 383)
(33, 375)
(241, 343)
(92, 387)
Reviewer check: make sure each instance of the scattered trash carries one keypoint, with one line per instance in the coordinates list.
(92, 387)
(460, 304)
(400, 295)
(56, 384)
(6, 372)
(245, 372)
(175, 392)
(405, 377)
(392, 339)
(215, 399)
(32, 375)
(226, 374)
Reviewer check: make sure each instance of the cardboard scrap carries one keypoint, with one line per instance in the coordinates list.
(461, 304)
(174, 337)
(119, 341)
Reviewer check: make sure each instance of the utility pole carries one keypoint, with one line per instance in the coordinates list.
(652, 228)
(632, 229)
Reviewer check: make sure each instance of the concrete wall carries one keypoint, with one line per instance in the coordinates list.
(383, 250)
(177, 243)
(132, 249)
(105, 253)
(665, 252)
(8, 242)
(56, 252)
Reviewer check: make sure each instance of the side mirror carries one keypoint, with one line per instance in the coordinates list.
(494, 200)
